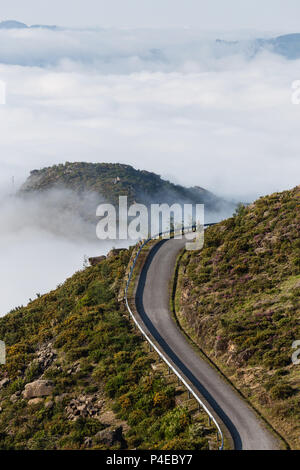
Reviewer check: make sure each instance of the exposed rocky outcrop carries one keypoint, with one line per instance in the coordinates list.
(96, 260)
(114, 252)
(15, 397)
(111, 436)
(38, 388)
(35, 401)
(84, 406)
(46, 355)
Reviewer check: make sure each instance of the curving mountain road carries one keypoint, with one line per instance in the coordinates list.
(152, 302)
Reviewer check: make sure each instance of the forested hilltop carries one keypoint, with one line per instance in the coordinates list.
(111, 180)
(238, 299)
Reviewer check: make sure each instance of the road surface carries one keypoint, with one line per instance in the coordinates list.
(152, 302)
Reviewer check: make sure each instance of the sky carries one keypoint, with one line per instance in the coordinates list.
(281, 15)
(169, 100)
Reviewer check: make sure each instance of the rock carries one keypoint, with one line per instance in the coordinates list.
(46, 356)
(96, 260)
(35, 401)
(74, 368)
(107, 437)
(14, 398)
(60, 398)
(83, 406)
(49, 404)
(261, 250)
(115, 252)
(4, 382)
(39, 388)
(111, 436)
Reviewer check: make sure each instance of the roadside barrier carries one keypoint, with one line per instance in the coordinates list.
(220, 436)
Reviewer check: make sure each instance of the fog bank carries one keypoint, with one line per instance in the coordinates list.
(168, 101)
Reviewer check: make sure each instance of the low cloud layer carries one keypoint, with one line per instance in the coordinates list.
(164, 101)
(44, 240)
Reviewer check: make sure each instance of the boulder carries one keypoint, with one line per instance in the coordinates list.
(4, 382)
(14, 398)
(45, 356)
(49, 404)
(96, 260)
(111, 436)
(84, 406)
(61, 398)
(35, 401)
(115, 252)
(39, 388)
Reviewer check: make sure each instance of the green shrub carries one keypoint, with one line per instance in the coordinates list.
(281, 391)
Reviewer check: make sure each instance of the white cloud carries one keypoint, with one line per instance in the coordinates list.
(43, 241)
(160, 101)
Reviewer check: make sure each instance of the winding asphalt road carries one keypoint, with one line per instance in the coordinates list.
(152, 302)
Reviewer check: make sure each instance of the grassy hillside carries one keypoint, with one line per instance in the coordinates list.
(78, 375)
(112, 180)
(238, 299)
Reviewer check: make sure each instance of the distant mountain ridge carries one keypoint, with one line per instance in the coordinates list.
(12, 24)
(287, 45)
